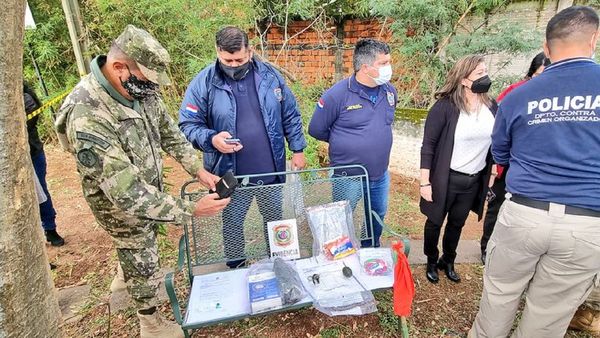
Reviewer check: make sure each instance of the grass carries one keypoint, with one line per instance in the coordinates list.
(389, 322)
(401, 213)
(333, 332)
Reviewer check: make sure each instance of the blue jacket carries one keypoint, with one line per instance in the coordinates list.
(209, 108)
(549, 131)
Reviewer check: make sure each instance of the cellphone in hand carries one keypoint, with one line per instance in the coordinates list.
(226, 185)
(232, 141)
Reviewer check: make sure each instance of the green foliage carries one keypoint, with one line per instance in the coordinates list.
(421, 29)
(50, 45)
(333, 332)
(502, 37)
(307, 97)
(279, 12)
(185, 28)
(432, 36)
(390, 323)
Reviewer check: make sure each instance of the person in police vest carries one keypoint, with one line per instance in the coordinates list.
(355, 117)
(546, 242)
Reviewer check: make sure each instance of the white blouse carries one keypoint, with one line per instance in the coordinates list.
(472, 140)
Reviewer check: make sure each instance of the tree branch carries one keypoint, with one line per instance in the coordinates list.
(441, 47)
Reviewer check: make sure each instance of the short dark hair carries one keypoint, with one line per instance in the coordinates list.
(538, 61)
(366, 51)
(27, 88)
(569, 21)
(231, 39)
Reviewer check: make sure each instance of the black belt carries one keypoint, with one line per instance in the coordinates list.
(528, 202)
(463, 174)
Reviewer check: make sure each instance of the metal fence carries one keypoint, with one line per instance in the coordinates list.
(238, 234)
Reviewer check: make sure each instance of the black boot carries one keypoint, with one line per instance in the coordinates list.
(449, 269)
(54, 238)
(432, 273)
(483, 255)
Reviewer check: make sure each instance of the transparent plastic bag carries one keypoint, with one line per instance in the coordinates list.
(290, 285)
(273, 284)
(293, 195)
(335, 293)
(333, 230)
(376, 261)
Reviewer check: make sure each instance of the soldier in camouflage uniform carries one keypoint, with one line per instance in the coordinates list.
(116, 124)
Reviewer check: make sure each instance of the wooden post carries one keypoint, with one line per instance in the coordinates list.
(562, 4)
(75, 24)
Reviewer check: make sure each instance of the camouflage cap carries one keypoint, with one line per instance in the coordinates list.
(150, 56)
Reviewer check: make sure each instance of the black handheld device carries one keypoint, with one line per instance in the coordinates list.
(226, 185)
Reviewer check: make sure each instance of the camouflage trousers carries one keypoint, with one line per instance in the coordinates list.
(141, 271)
(593, 300)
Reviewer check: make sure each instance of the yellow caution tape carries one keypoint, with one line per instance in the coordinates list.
(47, 105)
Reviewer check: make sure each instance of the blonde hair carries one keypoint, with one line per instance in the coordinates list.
(454, 89)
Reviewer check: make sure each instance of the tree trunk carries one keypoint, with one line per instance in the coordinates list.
(28, 303)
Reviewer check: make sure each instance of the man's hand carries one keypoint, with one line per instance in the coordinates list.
(207, 179)
(218, 141)
(210, 205)
(298, 161)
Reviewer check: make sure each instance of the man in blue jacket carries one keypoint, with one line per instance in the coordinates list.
(546, 242)
(355, 117)
(240, 112)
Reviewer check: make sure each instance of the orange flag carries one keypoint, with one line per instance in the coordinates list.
(404, 285)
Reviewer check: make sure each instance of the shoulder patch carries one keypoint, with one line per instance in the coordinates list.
(87, 157)
(278, 95)
(191, 108)
(94, 139)
(321, 103)
(391, 99)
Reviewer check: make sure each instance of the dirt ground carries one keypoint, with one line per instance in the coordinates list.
(442, 310)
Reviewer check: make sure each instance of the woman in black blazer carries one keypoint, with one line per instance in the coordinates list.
(455, 160)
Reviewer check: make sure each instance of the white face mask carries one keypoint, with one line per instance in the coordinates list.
(385, 75)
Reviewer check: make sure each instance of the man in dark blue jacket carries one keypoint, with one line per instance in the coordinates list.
(355, 117)
(38, 157)
(546, 242)
(240, 112)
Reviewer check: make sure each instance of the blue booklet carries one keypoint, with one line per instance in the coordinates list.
(263, 291)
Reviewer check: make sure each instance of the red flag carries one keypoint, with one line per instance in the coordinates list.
(404, 285)
(500, 170)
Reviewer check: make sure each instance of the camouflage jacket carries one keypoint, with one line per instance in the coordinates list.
(118, 145)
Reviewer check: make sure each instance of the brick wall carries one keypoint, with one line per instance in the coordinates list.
(314, 54)
(325, 53)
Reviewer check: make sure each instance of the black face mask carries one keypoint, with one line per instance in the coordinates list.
(481, 85)
(138, 89)
(236, 73)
